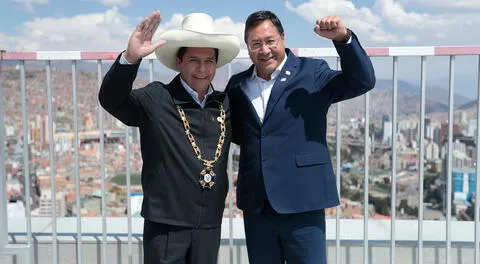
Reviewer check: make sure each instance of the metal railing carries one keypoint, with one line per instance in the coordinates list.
(22, 251)
(343, 235)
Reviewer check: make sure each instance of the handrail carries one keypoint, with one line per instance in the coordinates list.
(307, 52)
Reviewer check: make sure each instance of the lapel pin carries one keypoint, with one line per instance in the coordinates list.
(283, 79)
(287, 72)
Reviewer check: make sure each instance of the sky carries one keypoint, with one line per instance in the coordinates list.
(105, 25)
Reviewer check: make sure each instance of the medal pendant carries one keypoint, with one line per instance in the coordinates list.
(207, 178)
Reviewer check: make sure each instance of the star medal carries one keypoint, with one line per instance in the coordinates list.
(207, 178)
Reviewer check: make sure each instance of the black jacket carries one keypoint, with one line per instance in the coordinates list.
(172, 194)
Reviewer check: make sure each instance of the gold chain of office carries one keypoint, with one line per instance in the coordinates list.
(207, 176)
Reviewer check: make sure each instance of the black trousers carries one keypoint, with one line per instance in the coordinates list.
(167, 244)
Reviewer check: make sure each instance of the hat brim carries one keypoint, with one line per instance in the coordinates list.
(228, 46)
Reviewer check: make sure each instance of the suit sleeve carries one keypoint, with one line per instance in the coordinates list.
(235, 113)
(357, 75)
(116, 95)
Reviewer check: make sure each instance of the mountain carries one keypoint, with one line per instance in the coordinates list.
(466, 82)
(468, 105)
(381, 101)
(408, 98)
(433, 92)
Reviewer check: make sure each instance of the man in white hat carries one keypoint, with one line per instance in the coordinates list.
(185, 136)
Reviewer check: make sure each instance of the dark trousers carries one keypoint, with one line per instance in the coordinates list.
(167, 244)
(292, 238)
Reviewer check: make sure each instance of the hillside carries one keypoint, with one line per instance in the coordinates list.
(87, 86)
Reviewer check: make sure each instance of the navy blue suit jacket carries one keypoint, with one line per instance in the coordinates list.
(285, 159)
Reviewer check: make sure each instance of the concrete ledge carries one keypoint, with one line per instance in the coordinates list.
(20, 250)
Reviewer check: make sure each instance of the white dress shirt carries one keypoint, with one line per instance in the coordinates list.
(258, 89)
(187, 88)
(194, 94)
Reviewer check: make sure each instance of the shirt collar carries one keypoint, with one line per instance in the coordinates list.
(193, 93)
(275, 73)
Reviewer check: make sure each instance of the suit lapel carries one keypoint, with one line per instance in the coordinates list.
(243, 95)
(179, 95)
(287, 73)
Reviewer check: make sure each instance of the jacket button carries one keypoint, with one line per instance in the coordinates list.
(264, 158)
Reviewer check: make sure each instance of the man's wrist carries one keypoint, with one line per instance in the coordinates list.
(129, 59)
(346, 38)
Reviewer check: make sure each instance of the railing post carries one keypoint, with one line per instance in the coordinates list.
(22, 251)
(3, 184)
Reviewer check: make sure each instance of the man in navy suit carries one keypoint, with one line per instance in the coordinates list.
(279, 119)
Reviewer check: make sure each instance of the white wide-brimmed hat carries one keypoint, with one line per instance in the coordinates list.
(197, 31)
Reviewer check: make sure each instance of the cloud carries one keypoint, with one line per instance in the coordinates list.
(395, 14)
(107, 31)
(389, 21)
(448, 27)
(228, 26)
(365, 21)
(29, 4)
(111, 3)
(442, 4)
(97, 31)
